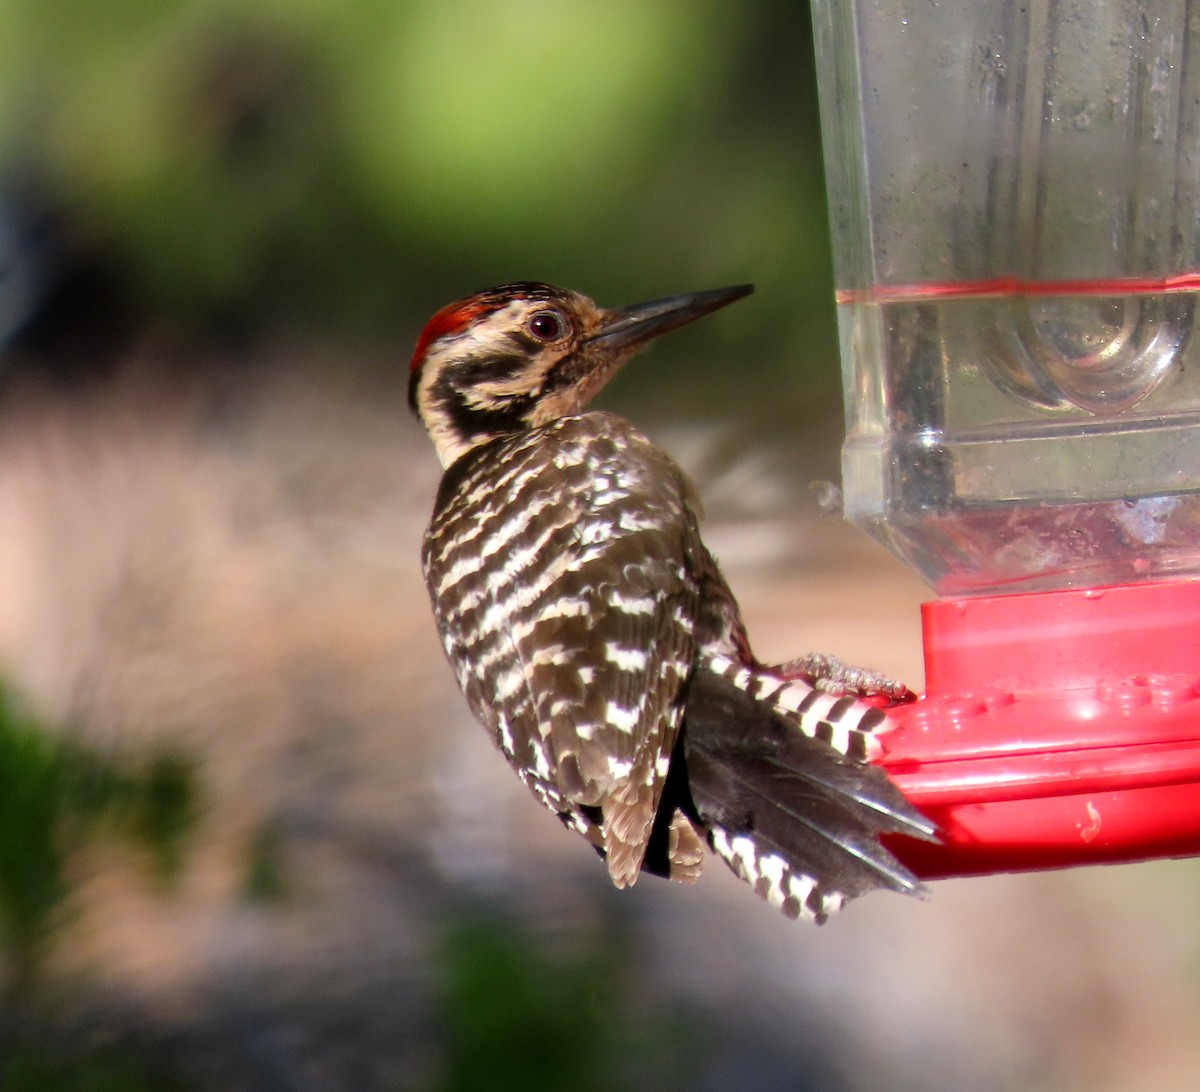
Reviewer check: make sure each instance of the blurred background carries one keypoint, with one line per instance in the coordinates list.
(249, 836)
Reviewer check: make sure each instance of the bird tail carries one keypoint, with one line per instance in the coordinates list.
(786, 795)
(833, 717)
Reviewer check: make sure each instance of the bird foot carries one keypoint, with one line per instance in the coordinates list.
(832, 675)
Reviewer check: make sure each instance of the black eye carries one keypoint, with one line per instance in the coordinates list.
(546, 325)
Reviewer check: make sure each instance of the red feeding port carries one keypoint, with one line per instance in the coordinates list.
(1058, 728)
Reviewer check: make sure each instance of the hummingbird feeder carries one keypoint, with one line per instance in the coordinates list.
(1015, 201)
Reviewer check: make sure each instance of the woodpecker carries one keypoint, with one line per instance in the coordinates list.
(594, 637)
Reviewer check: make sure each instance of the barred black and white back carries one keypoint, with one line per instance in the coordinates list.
(558, 563)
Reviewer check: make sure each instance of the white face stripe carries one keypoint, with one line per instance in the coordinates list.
(490, 337)
(484, 338)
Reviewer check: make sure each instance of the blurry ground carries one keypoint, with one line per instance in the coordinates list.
(227, 563)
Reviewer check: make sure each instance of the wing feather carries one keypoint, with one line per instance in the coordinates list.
(584, 678)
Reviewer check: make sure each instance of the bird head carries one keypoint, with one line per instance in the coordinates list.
(520, 356)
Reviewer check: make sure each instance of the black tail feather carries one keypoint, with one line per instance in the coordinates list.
(787, 812)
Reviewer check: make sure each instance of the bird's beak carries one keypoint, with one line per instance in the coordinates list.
(629, 327)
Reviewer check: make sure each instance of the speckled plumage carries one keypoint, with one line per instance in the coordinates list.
(574, 647)
(597, 642)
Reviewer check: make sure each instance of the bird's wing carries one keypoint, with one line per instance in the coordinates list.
(608, 650)
(606, 663)
(569, 616)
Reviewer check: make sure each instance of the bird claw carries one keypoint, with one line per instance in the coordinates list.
(828, 673)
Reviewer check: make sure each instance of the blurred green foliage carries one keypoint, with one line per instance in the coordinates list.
(310, 164)
(518, 1016)
(56, 796)
(32, 1068)
(266, 877)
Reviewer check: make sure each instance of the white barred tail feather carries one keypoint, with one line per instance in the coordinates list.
(793, 817)
(845, 723)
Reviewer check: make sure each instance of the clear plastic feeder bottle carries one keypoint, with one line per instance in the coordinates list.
(1015, 195)
(1015, 201)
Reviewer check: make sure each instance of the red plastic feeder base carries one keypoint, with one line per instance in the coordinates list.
(1058, 728)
